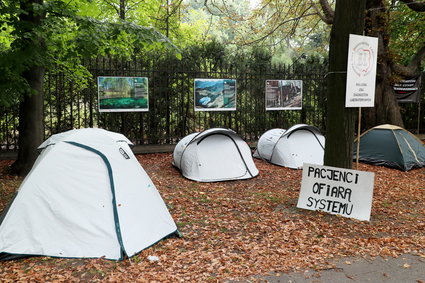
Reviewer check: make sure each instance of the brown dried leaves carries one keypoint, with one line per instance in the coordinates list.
(241, 228)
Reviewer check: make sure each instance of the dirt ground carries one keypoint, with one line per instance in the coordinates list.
(238, 229)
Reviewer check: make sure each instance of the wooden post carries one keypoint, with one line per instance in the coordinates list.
(358, 138)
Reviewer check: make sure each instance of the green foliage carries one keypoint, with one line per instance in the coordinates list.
(123, 103)
(287, 29)
(63, 37)
(407, 31)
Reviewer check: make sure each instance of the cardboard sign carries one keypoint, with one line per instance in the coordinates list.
(337, 191)
(361, 71)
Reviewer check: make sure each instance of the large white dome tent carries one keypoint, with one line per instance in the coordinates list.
(86, 197)
(291, 148)
(213, 155)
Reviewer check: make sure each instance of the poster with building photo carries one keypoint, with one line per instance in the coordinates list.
(215, 94)
(123, 94)
(284, 94)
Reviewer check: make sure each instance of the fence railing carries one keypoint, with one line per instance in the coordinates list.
(171, 114)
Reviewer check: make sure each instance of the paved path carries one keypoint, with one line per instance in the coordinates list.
(404, 269)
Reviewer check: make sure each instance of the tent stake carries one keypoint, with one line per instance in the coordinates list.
(358, 138)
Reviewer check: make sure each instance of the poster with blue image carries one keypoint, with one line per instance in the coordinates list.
(215, 94)
(123, 94)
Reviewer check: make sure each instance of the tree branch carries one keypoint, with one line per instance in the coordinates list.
(328, 12)
(175, 7)
(113, 5)
(135, 4)
(277, 27)
(413, 69)
(415, 5)
(215, 6)
(320, 14)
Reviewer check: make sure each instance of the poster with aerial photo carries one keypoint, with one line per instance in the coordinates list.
(284, 94)
(123, 94)
(215, 94)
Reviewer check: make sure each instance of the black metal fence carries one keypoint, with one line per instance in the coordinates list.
(171, 113)
(171, 116)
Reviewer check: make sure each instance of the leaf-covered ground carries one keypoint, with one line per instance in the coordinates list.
(237, 229)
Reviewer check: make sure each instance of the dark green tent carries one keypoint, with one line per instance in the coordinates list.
(391, 146)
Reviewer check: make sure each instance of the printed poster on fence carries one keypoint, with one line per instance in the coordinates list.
(337, 191)
(361, 71)
(215, 94)
(123, 94)
(284, 94)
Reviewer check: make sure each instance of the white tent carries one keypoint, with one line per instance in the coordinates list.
(291, 148)
(86, 197)
(214, 155)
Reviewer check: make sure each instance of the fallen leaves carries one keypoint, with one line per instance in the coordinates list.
(406, 265)
(242, 228)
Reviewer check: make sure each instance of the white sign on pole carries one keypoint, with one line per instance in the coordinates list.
(361, 71)
(337, 191)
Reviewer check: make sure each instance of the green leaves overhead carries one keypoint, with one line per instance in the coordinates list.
(62, 36)
(407, 32)
(288, 28)
(95, 37)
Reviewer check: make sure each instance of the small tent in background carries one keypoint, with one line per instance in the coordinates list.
(391, 146)
(86, 197)
(291, 148)
(214, 155)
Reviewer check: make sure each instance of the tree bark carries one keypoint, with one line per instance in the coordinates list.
(122, 9)
(386, 110)
(31, 127)
(328, 16)
(348, 19)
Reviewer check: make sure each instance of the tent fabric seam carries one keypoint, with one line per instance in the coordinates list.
(307, 128)
(411, 149)
(112, 187)
(237, 147)
(398, 144)
(275, 145)
(207, 135)
(181, 158)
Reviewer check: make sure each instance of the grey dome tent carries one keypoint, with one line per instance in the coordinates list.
(291, 148)
(391, 146)
(86, 197)
(213, 155)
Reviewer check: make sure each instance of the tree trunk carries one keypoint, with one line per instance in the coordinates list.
(386, 110)
(340, 123)
(122, 10)
(31, 127)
